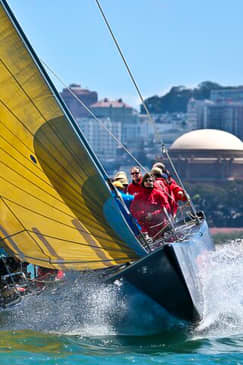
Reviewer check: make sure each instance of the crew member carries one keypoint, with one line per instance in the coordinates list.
(169, 185)
(148, 207)
(127, 199)
(135, 186)
(122, 177)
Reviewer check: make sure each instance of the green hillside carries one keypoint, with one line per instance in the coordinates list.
(177, 98)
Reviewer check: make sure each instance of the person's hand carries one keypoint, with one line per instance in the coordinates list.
(180, 195)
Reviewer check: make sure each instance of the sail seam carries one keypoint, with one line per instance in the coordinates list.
(61, 223)
(50, 261)
(44, 202)
(58, 162)
(32, 183)
(55, 147)
(42, 215)
(35, 197)
(70, 186)
(57, 136)
(18, 220)
(31, 171)
(46, 122)
(21, 154)
(12, 235)
(82, 243)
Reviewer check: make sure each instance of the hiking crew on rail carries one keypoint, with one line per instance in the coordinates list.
(156, 197)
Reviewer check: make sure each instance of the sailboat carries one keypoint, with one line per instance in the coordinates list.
(57, 208)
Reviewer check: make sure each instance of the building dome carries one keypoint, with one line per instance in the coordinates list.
(207, 139)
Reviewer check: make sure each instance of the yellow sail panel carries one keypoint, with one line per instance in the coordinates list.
(55, 208)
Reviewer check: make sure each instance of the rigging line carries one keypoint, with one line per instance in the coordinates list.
(51, 87)
(164, 149)
(94, 116)
(181, 184)
(10, 242)
(132, 78)
(130, 73)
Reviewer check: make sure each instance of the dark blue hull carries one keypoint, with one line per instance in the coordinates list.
(170, 274)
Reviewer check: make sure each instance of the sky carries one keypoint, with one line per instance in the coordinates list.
(165, 42)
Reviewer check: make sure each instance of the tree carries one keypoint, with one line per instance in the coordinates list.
(177, 98)
(222, 204)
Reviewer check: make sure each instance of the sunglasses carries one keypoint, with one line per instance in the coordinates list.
(148, 180)
(135, 173)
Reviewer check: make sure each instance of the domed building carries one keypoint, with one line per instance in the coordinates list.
(208, 155)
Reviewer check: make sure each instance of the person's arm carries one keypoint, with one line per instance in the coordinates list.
(177, 191)
(128, 198)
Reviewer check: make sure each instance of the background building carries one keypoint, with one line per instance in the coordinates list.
(96, 132)
(224, 111)
(197, 112)
(118, 111)
(208, 155)
(227, 95)
(86, 96)
(227, 117)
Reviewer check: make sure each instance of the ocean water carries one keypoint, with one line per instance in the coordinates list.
(86, 323)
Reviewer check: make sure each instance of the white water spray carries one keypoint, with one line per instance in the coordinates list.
(85, 307)
(222, 280)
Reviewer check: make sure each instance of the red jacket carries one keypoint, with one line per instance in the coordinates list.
(134, 189)
(150, 201)
(161, 184)
(176, 189)
(171, 189)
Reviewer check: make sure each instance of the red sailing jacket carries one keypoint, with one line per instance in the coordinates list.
(150, 201)
(176, 189)
(135, 188)
(171, 189)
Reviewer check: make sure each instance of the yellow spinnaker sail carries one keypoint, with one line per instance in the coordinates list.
(54, 203)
